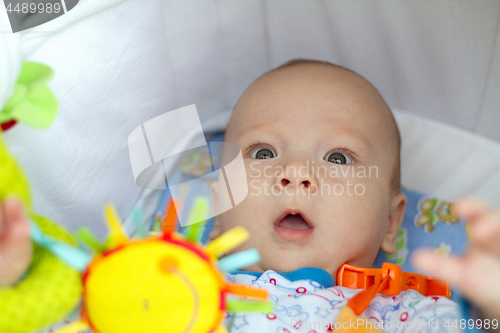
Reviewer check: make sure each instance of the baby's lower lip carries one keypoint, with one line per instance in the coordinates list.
(291, 234)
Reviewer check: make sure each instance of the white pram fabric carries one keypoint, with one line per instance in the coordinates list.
(120, 63)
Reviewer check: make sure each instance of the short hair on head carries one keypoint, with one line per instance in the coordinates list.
(395, 182)
(298, 61)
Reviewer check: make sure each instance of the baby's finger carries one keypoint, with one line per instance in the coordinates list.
(16, 248)
(485, 234)
(474, 275)
(484, 224)
(2, 219)
(16, 222)
(436, 265)
(470, 208)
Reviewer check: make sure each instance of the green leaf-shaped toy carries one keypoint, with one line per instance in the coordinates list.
(33, 102)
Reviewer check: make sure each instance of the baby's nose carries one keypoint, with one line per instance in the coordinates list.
(285, 181)
(297, 180)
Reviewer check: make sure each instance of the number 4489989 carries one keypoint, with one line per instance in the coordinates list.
(471, 324)
(34, 8)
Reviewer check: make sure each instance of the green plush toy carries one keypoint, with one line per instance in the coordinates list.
(51, 289)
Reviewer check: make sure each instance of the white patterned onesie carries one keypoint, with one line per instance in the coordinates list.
(306, 301)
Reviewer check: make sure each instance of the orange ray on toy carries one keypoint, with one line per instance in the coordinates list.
(169, 221)
(244, 290)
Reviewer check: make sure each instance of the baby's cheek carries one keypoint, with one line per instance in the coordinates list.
(359, 202)
(248, 213)
(349, 190)
(340, 175)
(256, 169)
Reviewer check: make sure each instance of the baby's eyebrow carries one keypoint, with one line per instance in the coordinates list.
(255, 128)
(357, 139)
(358, 147)
(249, 132)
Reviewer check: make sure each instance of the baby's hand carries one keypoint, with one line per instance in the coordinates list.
(476, 273)
(16, 248)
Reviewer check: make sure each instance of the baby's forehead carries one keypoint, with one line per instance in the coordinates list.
(314, 85)
(310, 93)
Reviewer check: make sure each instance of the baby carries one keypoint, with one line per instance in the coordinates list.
(292, 124)
(322, 155)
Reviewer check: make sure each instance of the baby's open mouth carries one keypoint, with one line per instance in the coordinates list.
(294, 222)
(293, 225)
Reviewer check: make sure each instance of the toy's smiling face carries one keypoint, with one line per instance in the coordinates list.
(319, 148)
(153, 286)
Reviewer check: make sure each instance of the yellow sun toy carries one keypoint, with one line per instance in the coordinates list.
(164, 283)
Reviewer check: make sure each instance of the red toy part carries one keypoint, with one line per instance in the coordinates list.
(7, 125)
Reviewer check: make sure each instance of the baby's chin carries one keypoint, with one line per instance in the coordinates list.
(287, 266)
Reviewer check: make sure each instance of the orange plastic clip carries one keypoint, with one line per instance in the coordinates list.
(362, 278)
(359, 302)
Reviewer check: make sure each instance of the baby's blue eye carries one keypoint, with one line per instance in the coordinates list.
(263, 153)
(337, 157)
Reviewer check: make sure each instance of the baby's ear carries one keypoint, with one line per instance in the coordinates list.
(398, 206)
(217, 227)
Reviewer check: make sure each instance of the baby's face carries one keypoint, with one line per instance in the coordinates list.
(319, 155)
